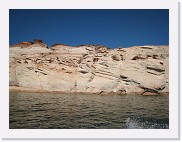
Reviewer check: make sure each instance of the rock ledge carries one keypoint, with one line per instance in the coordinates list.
(89, 69)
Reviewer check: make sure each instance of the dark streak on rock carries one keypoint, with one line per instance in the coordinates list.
(30, 68)
(123, 77)
(156, 69)
(149, 90)
(84, 72)
(146, 47)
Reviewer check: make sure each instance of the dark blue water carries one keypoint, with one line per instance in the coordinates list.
(79, 111)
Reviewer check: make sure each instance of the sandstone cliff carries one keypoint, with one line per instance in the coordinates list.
(89, 69)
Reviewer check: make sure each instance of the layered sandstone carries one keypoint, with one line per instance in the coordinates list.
(90, 69)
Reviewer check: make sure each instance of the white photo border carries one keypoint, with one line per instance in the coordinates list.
(171, 133)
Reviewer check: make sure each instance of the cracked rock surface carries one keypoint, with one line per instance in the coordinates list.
(89, 69)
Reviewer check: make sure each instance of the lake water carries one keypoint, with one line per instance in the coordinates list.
(79, 111)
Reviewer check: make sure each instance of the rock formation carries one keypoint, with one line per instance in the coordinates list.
(23, 44)
(36, 43)
(89, 69)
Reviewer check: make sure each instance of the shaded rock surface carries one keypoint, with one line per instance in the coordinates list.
(90, 69)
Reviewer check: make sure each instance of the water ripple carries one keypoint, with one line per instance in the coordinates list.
(74, 111)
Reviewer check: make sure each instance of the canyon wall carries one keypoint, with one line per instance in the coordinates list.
(89, 69)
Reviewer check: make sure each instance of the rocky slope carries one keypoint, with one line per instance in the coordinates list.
(89, 69)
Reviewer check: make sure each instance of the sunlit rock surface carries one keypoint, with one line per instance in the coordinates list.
(89, 69)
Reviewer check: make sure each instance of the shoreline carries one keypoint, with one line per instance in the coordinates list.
(23, 89)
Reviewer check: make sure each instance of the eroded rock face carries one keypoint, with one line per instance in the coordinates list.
(36, 43)
(88, 69)
(23, 44)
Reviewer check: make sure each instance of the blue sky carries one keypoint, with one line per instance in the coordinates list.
(113, 28)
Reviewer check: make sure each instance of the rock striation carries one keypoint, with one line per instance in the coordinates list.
(89, 69)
